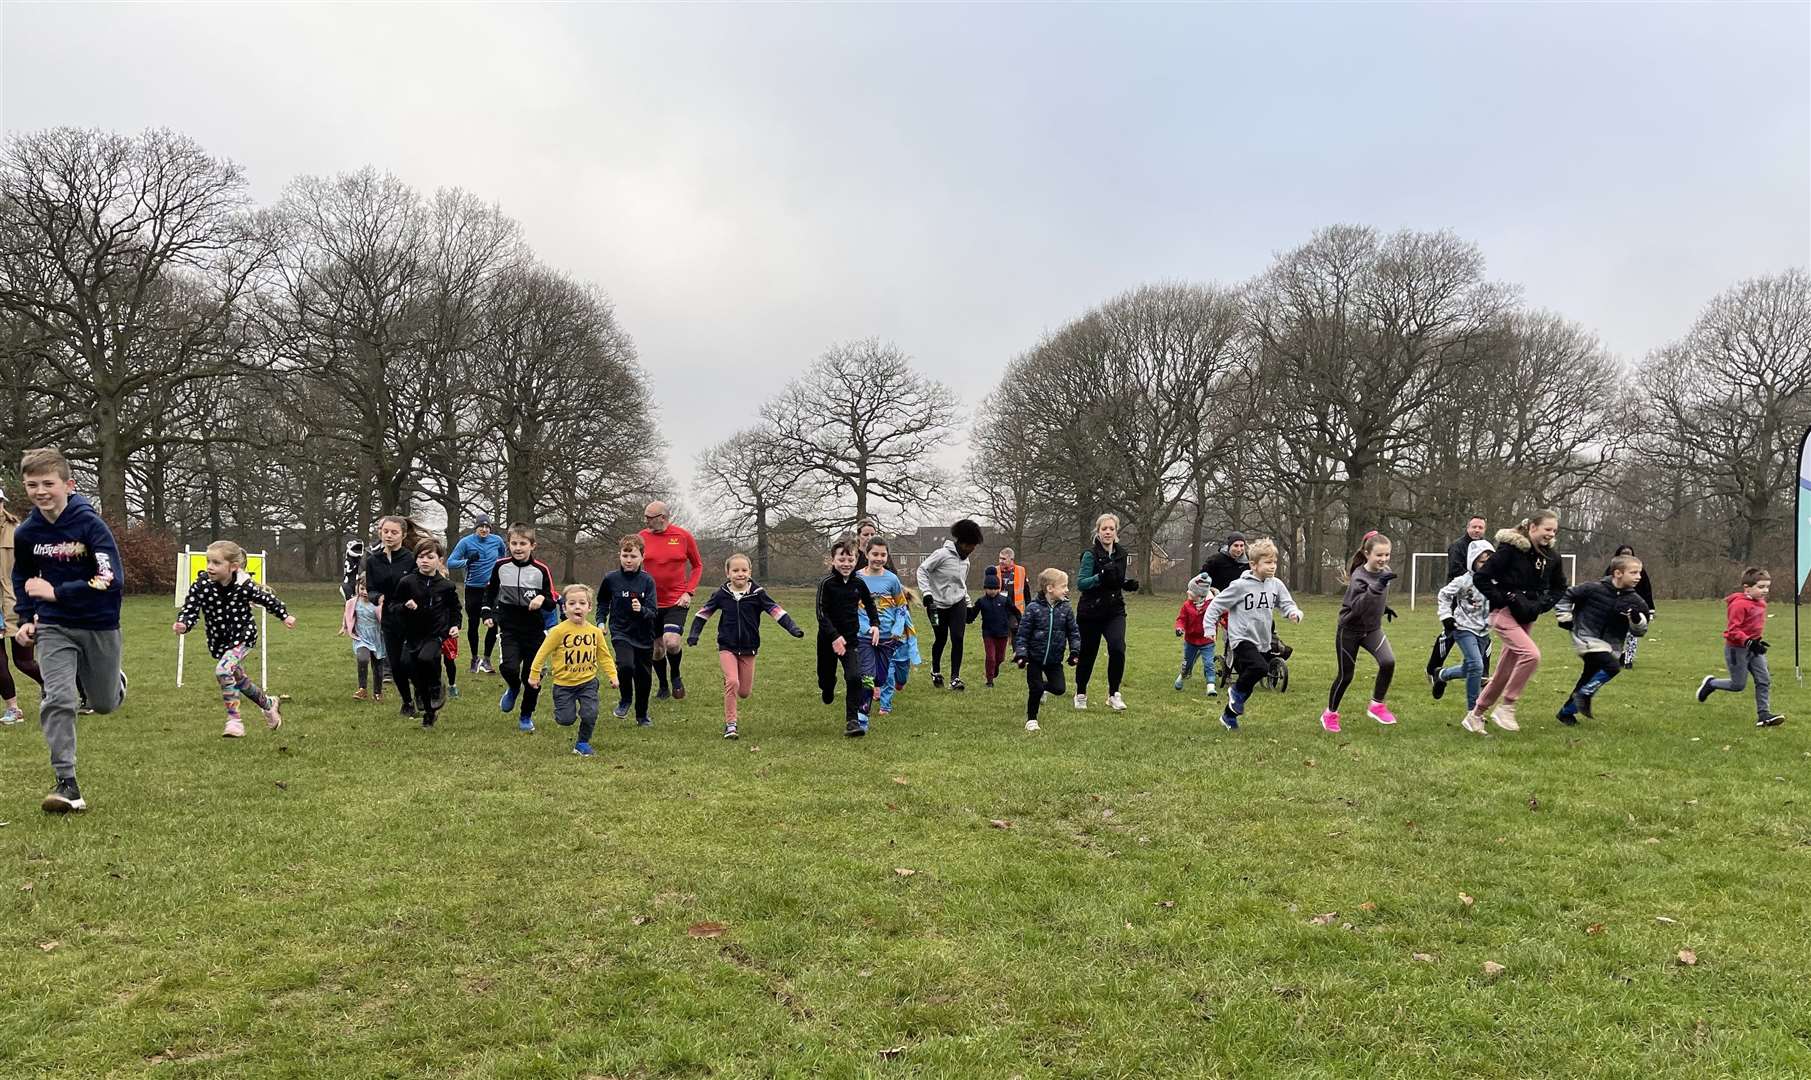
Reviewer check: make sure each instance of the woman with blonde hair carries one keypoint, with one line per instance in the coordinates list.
(1101, 614)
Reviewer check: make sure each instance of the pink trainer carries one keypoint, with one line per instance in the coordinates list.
(1381, 713)
(1330, 721)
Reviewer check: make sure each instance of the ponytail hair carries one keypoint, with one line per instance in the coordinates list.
(1365, 547)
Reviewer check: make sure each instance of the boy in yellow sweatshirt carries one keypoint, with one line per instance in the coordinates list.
(577, 651)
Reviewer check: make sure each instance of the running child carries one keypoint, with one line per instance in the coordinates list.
(742, 603)
(1465, 614)
(1632, 644)
(520, 589)
(362, 623)
(1601, 614)
(999, 621)
(1046, 630)
(629, 610)
(1361, 615)
(430, 617)
(1197, 636)
(1250, 603)
(68, 581)
(576, 651)
(889, 595)
(1521, 579)
(1744, 649)
(842, 599)
(224, 594)
(9, 618)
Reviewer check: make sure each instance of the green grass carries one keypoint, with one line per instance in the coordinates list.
(355, 897)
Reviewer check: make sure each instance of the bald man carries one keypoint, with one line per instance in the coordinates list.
(671, 558)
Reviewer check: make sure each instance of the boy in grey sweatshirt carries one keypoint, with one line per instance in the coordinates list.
(1250, 605)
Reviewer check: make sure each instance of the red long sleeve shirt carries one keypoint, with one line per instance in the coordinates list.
(665, 559)
(1747, 619)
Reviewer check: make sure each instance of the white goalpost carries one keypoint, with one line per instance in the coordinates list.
(1437, 575)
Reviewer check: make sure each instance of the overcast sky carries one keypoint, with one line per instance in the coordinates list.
(752, 183)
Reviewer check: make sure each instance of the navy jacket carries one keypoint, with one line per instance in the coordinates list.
(616, 610)
(1044, 631)
(739, 621)
(76, 553)
(997, 615)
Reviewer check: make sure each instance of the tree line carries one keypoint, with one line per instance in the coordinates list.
(358, 348)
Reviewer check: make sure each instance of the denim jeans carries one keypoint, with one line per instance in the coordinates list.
(1471, 647)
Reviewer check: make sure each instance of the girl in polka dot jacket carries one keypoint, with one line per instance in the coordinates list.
(225, 593)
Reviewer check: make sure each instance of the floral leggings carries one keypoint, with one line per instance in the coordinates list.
(235, 683)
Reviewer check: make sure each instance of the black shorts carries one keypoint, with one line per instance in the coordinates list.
(672, 620)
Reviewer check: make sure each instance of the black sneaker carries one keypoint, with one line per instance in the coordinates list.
(1584, 705)
(1772, 720)
(1436, 684)
(663, 693)
(1705, 689)
(936, 678)
(427, 719)
(1566, 718)
(621, 712)
(65, 797)
(990, 684)
(956, 684)
(408, 709)
(830, 697)
(853, 730)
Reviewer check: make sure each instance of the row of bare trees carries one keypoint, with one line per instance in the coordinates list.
(356, 349)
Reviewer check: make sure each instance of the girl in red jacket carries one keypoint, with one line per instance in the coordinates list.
(1744, 651)
(1197, 639)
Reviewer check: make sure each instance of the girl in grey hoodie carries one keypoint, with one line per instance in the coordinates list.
(1361, 616)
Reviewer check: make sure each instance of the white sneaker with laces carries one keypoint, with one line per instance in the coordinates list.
(1117, 702)
(1031, 725)
(1081, 702)
(1473, 723)
(1503, 716)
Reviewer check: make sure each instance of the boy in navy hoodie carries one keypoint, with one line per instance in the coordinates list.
(69, 582)
(999, 622)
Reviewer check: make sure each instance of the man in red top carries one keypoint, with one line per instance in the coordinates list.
(669, 551)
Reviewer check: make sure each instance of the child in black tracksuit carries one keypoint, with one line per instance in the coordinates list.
(840, 596)
(1047, 628)
(430, 615)
(1601, 615)
(628, 608)
(999, 622)
(518, 602)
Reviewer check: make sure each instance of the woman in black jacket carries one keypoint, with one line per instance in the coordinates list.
(1521, 580)
(384, 570)
(1644, 589)
(1102, 612)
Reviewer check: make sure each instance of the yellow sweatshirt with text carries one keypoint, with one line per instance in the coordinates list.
(577, 651)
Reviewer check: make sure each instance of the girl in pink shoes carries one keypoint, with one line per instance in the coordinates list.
(1361, 616)
(225, 593)
(1521, 579)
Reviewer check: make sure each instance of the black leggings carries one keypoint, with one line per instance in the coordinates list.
(26, 658)
(1039, 678)
(952, 623)
(1113, 629)
(399, 660)
(634, 674)
(518, 658)
(424, 672)
(474, 610)
(1347, 643)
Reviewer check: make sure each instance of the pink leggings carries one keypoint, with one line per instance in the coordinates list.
(738, 681)
(1516, 666)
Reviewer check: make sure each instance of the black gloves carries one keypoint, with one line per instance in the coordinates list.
(1019, 660)
(1758, 647)
(1131, 584)
(1179, 631)
(691, 642)
(1074, 659)
(1389, 613)
(1449, 624)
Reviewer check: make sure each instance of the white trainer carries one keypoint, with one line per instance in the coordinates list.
(1031, 725)
(1118, 703)
(1503, 716)
(1081, 701)
(1473, 723)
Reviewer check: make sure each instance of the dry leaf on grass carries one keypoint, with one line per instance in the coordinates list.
(1325, 918)
(900, 780)
(705, 929)
(1421, 957)
(1688, 958)
(999, 823)
(1107, 813)
(642, 920)
(1594, 929)
(893, 808)
(892, 1052)
(903, 871)
(49, 945)
(27, 887)
(1166, 903)
(1368, 905)
(1466, 899)
(1309, 762)
(1493, 969)
(283, 785)
(1664, 921)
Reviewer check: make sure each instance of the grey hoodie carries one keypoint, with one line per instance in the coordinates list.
(1460, 600)
(1249, 605)
(943, 576)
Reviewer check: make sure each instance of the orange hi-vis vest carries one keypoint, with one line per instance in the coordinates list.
(1016, 584)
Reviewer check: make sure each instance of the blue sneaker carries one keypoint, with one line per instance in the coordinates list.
(453, 690)
(1229, 721)
(621, 712)
(582, 749)
(642, 721)
(507, 702)
(526, 726)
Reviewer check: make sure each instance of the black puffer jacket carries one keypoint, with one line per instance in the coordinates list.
(1045, 631)
(1223, 569)
(1520, 577)
(384, 571)
(1598, 609)
(1103, 583)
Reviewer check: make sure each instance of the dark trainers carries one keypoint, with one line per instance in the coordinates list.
(1584, 705)
(663, 693)
(956, 684)
(1771, 720)
(1567, 718)
(1436, 684)
(621, 712)
(1229, 721)
(408, 709)
(65, 797)
(643, 721)
(678, 688)
(936, 678)
(1705, 689)
(830, 697)
(854, 730)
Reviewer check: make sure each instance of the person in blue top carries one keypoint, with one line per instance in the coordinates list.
(478, 554)
(893, 618)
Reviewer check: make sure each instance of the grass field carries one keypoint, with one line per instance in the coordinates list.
(355, 896)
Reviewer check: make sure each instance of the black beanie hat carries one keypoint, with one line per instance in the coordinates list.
(966, 532)
(990, 578)
(1233, 538)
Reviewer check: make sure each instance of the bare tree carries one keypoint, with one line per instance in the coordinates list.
(863, 427)
(751, 477)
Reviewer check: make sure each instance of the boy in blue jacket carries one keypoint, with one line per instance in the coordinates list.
(68, 579)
